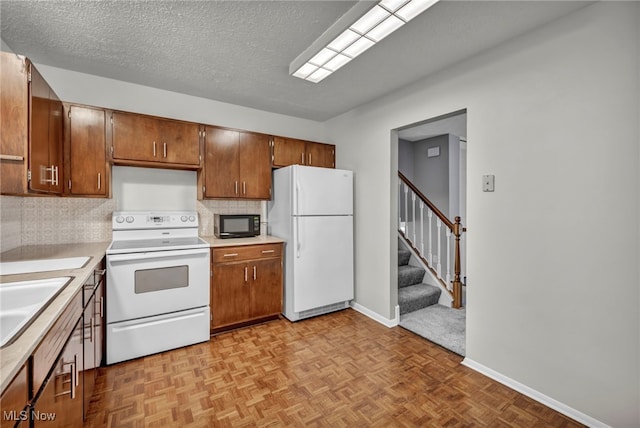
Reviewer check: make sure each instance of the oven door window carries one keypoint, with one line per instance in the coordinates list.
(158, 279)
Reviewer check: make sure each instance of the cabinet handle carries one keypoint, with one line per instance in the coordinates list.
(309, 158)
(244, 187)
(154, 149)
(236, 188)
(56, 175)
(255, 273)
(268, 251)
(245, 274)
(101, 307)
(73, 377)
(230, 255)
(91, 326)
(164, 148)
(99, 181)
(302, 159)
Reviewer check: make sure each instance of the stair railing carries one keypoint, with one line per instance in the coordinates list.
(428, 244)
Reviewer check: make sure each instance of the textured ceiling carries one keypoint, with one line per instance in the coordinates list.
(239, 51)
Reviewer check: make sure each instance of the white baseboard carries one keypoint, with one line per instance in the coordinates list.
(538, 396)
(377, 317)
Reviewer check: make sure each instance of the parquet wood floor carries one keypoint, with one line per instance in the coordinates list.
(338, 370)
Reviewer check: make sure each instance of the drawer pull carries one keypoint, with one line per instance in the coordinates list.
(268, 251)
(255, 273)
(230, 255)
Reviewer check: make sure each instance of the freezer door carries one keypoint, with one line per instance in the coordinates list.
(322, 191)
(322, 261)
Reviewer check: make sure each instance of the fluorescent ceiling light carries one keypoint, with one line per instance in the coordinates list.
(343, 40)
(370, 20)
(386, 27)
(318, 75)
(337, 62)
(380, 21)
(323, 56)
(414, 8)
(392, 5)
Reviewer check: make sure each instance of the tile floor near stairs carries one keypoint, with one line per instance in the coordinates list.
(338, 370)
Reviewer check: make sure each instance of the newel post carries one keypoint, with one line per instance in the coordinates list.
(457, 285)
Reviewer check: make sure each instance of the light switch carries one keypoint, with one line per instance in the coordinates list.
(488, 182)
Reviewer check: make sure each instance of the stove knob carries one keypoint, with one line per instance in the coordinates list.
(119, 219)
(183, 218)
(192, 218)
(129, 219)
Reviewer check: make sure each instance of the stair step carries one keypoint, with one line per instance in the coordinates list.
(418, 296)
(403, 257)
(409, 275)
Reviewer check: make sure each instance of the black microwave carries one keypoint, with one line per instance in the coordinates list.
(236, 225)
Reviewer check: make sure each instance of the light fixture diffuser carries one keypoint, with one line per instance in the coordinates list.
(377, 23)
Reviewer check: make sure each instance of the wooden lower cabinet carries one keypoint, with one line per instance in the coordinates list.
(60, 402)
(14, 400)
(246, 284)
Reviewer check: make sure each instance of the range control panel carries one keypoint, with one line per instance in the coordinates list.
(123, 220)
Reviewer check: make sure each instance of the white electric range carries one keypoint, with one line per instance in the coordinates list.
(157, 284)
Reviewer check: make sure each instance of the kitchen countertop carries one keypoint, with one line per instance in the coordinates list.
(232, 242)
(14, 355)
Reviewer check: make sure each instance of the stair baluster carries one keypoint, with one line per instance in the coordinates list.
(450, 278)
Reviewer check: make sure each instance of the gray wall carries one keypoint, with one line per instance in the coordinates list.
(554, 115)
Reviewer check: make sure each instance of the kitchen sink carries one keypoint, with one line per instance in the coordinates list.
(42, 265)
(21, 302)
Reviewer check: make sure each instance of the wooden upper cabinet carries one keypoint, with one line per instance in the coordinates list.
(290, 151)
(319, 154)
(85, 148)
(150, 141)
(31, 130)
(237, 164)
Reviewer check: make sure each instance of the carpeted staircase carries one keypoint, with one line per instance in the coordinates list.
(413, 294)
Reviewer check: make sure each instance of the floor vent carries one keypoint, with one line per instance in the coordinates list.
(322, 310)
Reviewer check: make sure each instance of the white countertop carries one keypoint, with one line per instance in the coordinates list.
(14, 355)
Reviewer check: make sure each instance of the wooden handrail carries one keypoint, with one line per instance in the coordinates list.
(426, 200)
(457, 230)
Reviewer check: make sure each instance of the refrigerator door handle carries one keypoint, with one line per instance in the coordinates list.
(297, 220)
(297, 198)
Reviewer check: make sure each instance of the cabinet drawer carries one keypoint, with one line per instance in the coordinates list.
(47, 352)
(15, 398)
(246, 252)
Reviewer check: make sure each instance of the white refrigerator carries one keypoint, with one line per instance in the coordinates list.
(312, 209)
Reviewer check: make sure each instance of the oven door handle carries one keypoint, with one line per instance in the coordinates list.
(158, 255)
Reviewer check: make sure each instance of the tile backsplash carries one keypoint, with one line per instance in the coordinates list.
(53, 220)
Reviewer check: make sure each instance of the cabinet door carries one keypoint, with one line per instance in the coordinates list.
(230, 294)
(221, 163)
(180, 142)
(87, 145)
(99, 323)
(89, 372)
(14, 132)
(288, 151)
(321, 155)
(136, 137)
(255, 166)
(55, 142)
(266, 287)
(61, 396)
(42, 172)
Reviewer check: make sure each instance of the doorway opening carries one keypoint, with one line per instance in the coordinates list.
(431, 214)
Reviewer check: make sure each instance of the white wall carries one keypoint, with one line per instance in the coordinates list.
(108, 93)
(554, 115)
